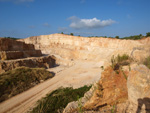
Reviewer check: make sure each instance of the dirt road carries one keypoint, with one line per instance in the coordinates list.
(80, 74)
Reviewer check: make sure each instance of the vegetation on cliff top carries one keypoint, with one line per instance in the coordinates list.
(20, 79)
(12, 38)
(134, 37)
(58, 99)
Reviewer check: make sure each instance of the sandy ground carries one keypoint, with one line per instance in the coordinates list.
(80, 74)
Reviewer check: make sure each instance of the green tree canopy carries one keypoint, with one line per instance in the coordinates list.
(71, 34)
(117, 37)
(148, 34)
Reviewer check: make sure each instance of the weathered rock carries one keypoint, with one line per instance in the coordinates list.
(74, 47)
(42, 62)
(73, 107)
(7, 44)
(8, 55)
(11, 49)
(112, 90)
(139, 87)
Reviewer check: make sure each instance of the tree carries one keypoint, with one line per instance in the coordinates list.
(147, 34)
(117, 37)
(62, 33)
(71, 34)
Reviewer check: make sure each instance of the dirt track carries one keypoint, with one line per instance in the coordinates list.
(80, 74)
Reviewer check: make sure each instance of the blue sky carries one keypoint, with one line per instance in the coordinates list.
(25, 18)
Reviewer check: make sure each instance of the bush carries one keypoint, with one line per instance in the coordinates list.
(12, 38)
(20, 79)
(119, 61)
(147, 62)
(135, 37)
(58, 99)
(71, 34)
(117, 37)
(147, 34)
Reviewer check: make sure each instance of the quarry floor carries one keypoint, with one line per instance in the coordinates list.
(80, 74)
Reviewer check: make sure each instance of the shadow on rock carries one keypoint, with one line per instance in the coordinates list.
(143, 102)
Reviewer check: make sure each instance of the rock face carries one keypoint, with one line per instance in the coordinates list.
(127, 96)
(139, 88)
(112, 89)
(74, 47)
(11, 49)
(41, 62)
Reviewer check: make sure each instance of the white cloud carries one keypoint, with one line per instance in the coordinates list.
(78, 23)
(46, 25)
(17, 1)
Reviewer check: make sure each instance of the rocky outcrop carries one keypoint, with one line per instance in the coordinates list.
(139, 88)
(112, 89)
(75, 47)
(7, 44)
(41, 62)
(11, 49)
(7, 55)
(116, 94)
(109, 91)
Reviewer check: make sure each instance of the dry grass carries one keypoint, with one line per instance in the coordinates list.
(119, 61)
(20, 79)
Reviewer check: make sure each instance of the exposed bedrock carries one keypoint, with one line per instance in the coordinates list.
(139, 88)
(41, 62)
(12, 49)
(75, 47)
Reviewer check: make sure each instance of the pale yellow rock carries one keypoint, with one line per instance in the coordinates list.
(75, 47)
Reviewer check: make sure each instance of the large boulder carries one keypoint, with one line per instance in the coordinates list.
(139, 88)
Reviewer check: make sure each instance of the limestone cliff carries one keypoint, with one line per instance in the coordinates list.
(75, 47)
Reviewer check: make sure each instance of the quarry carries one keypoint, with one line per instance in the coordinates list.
(117, 86)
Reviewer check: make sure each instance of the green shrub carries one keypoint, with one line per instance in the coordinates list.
(147, 62)
(148, 34)
(58, 99)
(71, 34)
(122, 58)
(135, 37)
(12, 38)
(119, 61)
(20, 79)
(117, 37)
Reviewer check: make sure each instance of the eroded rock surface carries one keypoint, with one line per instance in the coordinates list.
(112, 89)
(42, 62)
(11, 49)
(139, 88)
(95, 49)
